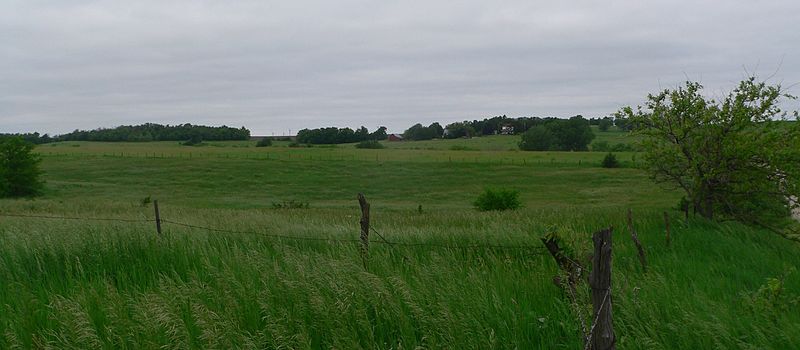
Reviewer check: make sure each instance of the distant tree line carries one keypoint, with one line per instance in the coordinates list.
(34, 138)
(539, 134)
(334, 135)
(497, 125)
(144, 132)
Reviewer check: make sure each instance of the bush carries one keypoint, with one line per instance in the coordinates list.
(265, 142)
(610, 161)
(499, 199)
(20, 175)
(371, 144)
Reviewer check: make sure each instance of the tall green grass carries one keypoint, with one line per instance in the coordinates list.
(109, 285)
(116, 285)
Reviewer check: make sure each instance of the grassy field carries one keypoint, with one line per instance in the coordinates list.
(293, 278)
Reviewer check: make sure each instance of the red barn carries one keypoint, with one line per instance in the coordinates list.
(395, 137)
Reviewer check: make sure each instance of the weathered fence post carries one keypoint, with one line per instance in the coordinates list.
(602, 330)
(158, 217)
(362, 201)
(635, 237)
(666, 222)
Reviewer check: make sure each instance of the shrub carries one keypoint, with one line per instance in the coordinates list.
(20, 175)
(146, 201)
(265, 142)
(610, 161)
(498, 199)
(295, 145)
(372, 144)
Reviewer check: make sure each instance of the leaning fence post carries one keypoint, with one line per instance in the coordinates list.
(666, 222)
(362, 201)
(635, 237)
(158, 217)
(602, 330)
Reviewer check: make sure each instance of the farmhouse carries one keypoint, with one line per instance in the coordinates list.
(395, 137)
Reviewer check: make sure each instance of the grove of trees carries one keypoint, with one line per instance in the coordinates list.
(573, 134)
(334, 135)
(738, 157)
(419, 133)
(144, 132)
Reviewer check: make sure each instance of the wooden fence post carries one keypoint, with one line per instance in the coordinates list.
(158, 217)
(602, 330)
(362, 201)
(666, 221)
(635, 237)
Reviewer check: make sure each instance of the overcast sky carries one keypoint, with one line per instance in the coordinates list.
(275, 66)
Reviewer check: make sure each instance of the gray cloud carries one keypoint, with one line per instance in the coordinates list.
(274, 66)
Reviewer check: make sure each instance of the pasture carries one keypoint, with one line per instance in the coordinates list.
(293, 278)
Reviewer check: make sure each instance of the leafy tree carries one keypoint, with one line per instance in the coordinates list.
(610, 161)
(573, 134)
(418, 132)
(458, 130)
(538, 138)
(20, 175)
(604, 124)
(737, 157)
(435, 130)
(264, 142)
(379, 134)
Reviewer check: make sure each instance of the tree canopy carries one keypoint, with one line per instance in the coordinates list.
(334, 135)
(20, 175)
(738, 157)
(573, 134)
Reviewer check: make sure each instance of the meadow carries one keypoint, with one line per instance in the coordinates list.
(293, 278)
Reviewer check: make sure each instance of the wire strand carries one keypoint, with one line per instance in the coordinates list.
(73, 218)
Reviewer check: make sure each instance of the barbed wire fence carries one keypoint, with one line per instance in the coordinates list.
(598, 335)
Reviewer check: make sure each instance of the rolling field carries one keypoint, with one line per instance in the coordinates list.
(293, 278)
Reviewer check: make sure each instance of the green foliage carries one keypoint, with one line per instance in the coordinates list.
(290, 204)
(604, 124)
(610, 161)
(20, 173)
(736, 157)
(538, 138)
(333, 135)
(264, 142)
(418, 132)
(145, 201)
(458, 130)
(370, 144)
(158, 132)
(498, 199)
(573, 134)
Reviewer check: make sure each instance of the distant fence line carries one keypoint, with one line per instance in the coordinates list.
(277, 236)
(597, 332)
